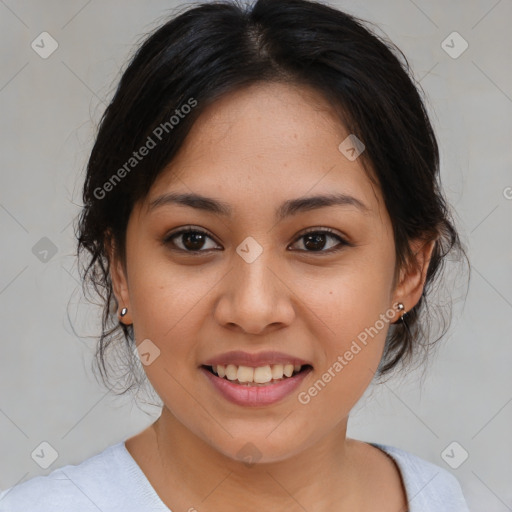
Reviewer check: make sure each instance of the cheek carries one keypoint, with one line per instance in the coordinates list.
(156, 297)
(351, 349)
(162, 293)
(168, 309)
(171, 306)
(352, 297)
(355, 309)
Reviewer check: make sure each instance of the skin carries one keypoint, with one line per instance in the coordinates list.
(255, 149)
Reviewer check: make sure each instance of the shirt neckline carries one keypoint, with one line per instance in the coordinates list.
(149, 493)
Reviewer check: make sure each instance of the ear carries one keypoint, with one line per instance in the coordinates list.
(119, 279)
(412, 278)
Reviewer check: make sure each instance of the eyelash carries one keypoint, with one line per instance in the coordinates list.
(190, 229)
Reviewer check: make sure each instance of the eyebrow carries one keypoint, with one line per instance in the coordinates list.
(286, 209)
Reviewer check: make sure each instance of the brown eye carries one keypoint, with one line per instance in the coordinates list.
(189, 240)
(316, 241)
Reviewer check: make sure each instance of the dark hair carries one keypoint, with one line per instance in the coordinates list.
(219, 47)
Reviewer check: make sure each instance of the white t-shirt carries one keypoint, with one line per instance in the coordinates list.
(113, 481)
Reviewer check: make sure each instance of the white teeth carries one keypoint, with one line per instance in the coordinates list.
(259, 375)
(245, 374)
(262, 374)
(277, 371)
(231, 371)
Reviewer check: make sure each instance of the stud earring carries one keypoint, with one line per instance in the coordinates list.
(401, 308)
(124, 311)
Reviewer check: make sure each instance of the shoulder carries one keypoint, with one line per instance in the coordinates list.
(88, 486)
(428, 486)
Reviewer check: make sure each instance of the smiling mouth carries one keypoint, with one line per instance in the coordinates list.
(257, 376)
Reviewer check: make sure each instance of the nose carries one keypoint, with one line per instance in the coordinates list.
(255, 298)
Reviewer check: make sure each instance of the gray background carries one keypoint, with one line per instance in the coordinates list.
(49, 110)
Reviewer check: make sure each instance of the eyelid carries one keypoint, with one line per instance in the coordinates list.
(320, 230)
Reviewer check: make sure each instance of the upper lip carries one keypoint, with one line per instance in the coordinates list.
(240, 358)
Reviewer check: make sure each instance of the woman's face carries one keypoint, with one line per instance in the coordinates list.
(256, 291)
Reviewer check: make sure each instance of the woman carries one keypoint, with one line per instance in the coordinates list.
(263, 218)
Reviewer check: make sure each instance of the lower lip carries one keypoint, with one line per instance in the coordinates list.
(241, 394)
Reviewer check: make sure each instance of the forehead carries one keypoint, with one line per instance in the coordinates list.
(267, 143)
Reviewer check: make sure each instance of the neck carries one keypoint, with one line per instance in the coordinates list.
(194, 475)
